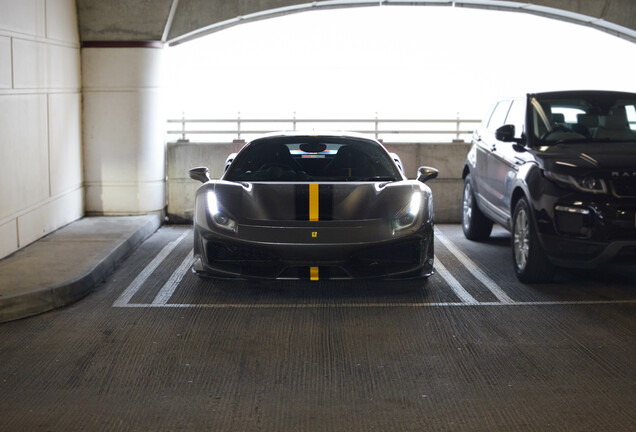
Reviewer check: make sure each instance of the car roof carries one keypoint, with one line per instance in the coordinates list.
(570, 93)
(316, 134)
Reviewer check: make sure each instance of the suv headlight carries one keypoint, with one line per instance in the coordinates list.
(408, 215)
(584, 184)
(218, 216)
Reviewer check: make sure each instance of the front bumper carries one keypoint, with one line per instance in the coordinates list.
(586, 233)
(577, 253)
(407, 256)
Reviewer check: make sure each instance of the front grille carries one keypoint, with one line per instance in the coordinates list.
(624, 187)
(627, 255)
(261, 262)
(387, 259)
(573, 224)
(622, 222)
(245, 260)
(324, 272)
(228, 252)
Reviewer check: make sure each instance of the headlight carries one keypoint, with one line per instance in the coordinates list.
(219, 217)
(583, 184)
(408, 215)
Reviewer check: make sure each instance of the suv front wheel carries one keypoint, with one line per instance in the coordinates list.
(530, 262)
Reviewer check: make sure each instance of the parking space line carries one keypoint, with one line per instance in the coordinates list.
(465, 298)
(129, 292)
(474, 268)
(170, 286)
(375, 305)
(457, 288)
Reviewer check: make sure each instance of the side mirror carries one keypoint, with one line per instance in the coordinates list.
(506, 133)
(425, 173)
(200, 173)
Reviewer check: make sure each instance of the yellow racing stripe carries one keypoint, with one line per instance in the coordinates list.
(313, 202)
(314, 215)
(313, 273)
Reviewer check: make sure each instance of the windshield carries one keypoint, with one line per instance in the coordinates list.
(586, 117)
(313, 159)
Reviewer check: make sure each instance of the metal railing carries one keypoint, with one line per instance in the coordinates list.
(386, 129)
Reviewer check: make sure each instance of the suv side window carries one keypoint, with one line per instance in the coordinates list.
(630, 110)
(516, 116)
(499, 115)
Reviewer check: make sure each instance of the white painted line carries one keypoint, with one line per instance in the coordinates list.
(375, 305)
(129, 292)
(170, 286)
(474, 268)
(457, 288)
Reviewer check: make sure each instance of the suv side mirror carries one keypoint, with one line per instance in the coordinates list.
(425, 173)
(506, 133)
(200, 174)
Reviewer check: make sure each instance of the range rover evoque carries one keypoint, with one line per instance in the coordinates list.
(558, 170)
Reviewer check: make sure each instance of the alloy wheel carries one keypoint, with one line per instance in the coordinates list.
(467, 206)
(521, 239)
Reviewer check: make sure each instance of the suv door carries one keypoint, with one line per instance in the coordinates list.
(504, 161)
(489, 193)
(481, 156)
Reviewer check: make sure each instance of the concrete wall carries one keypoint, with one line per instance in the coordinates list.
(448, 158)
(181, 157)
(40, 120)
(447, 188)
(124, 165)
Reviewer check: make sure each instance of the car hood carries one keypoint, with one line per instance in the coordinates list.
(270, 202)
(589, 157)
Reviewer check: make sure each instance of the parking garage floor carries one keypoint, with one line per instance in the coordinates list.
(469, 349)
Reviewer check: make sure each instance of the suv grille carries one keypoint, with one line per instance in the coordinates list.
(624, 187)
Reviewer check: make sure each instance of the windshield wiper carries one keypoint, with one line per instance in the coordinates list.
(570, 140)
(376, 178)
(589, 140)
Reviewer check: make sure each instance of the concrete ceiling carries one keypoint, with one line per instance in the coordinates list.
(176, 21)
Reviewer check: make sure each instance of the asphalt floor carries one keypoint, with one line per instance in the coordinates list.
(154, 347)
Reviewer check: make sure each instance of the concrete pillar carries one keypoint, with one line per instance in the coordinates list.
(123, 129)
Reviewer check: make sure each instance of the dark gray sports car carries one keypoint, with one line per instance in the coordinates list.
(304, 206)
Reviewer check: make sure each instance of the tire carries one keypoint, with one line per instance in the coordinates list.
(476, 226)
(530, 262)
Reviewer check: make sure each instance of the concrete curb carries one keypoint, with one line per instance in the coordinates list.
(45, 299)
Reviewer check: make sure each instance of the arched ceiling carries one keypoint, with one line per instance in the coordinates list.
(177, 21)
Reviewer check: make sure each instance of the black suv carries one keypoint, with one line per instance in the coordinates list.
(558, 170)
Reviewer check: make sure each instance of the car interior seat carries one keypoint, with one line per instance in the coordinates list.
(350, 162)
(558, 118)
(614, 125)
(278, 154)
(587, 124)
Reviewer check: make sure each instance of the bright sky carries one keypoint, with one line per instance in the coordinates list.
(398, 61)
